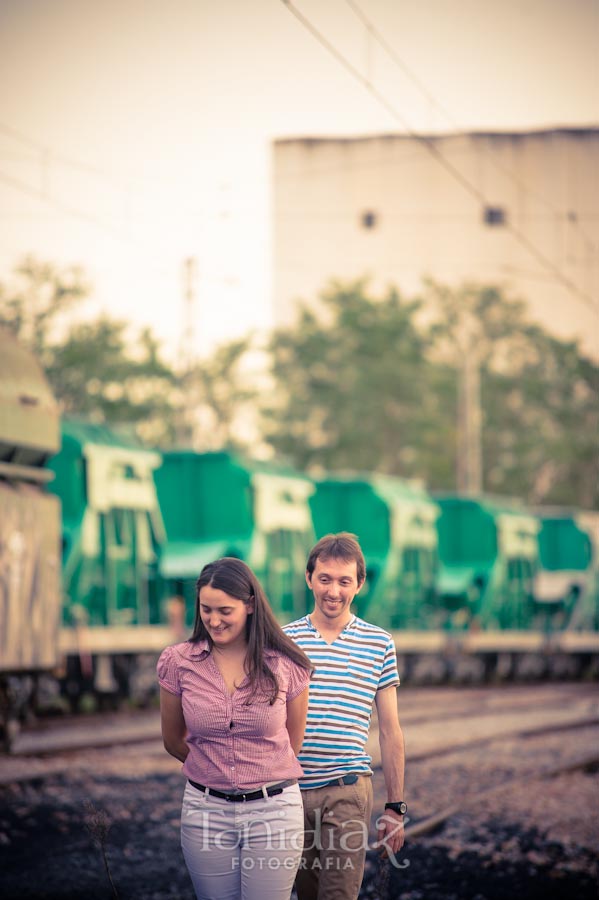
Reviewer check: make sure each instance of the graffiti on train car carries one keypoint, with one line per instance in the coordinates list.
(30, 597)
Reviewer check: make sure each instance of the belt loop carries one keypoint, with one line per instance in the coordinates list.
(207, 792)
(264, 792)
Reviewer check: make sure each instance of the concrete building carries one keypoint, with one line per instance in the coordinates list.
(518, 208)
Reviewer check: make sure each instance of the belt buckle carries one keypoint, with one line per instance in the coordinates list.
(347, 779)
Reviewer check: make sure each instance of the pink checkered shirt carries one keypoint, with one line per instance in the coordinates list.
(233, 744)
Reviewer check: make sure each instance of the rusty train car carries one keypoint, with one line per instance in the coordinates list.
(30, 532)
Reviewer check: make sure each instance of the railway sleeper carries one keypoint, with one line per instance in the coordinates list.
(462, 668)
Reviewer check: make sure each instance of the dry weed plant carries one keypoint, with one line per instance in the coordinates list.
(98, 823)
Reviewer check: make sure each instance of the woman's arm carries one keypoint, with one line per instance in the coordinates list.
(297, 710)
(173, 725)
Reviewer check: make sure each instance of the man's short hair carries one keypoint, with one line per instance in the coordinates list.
(338, 546)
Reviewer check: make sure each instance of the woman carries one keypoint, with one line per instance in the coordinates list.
(233, 702)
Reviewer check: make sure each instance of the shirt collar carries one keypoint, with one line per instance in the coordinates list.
(198, 649)
(201, 649)
(342, 634)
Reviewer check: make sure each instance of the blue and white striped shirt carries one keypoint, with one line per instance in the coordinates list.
(349, 672)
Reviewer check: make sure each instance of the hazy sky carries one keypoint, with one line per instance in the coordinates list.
(136, 133)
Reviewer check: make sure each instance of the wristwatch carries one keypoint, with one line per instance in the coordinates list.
(399, 807)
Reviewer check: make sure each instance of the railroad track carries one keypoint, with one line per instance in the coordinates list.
(586, 762)
(492, 715)
(443, 704)
(468, 698)
(455, 721)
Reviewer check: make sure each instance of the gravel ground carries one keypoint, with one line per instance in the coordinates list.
(531, 838)
(534, 838)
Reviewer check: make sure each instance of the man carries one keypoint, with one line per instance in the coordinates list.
(355, 663)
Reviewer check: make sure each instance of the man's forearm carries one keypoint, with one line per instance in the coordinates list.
(393, 763)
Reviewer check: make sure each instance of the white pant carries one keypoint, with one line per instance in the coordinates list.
(242, 851)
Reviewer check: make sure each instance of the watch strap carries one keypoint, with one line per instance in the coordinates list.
(397, 806)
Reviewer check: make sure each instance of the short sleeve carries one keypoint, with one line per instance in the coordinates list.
(389, 673)
(168, 671)
(299, 679)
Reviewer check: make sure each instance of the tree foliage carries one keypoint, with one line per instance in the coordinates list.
(37, 302)
(542, 425)
(97, 369)
(353, 387)
(220, 398)
(103, 371)
(361, 383)
(103, 375)
(368, 383)
(538, 395)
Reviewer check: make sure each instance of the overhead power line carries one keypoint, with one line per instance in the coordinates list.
(431, 147)
(64, 208)
(124, 183)
(436, 104)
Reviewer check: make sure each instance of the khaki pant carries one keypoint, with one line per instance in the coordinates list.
(336, 822)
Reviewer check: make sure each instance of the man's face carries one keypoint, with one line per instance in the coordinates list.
(334, 583)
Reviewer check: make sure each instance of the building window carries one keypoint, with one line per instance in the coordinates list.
(494, 215)
(368, 219)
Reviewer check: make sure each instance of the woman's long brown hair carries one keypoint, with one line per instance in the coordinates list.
(262, 631)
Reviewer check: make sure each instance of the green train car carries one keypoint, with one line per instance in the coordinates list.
(566, 585)
(217, 504)
(112, 529)
(395, 523)
(113, 621)
(488, 558)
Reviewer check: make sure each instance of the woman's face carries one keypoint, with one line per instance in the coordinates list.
(224, 617)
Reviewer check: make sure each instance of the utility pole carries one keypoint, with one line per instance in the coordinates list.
(469, 461)
(469, 449)
(186, 429)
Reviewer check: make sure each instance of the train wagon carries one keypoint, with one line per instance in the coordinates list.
(566, 586)
(218, 504)
(111, 537)
(29, 532)
(566, 589)
(394, 521)
(488, 558)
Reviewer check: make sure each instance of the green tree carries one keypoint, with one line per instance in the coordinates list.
(364, 383)
(220, 393)
(96, 369)
(102, 374)
(538, 395)
(104, 371)
(36, 303)
(353, 389)
(540, 442)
